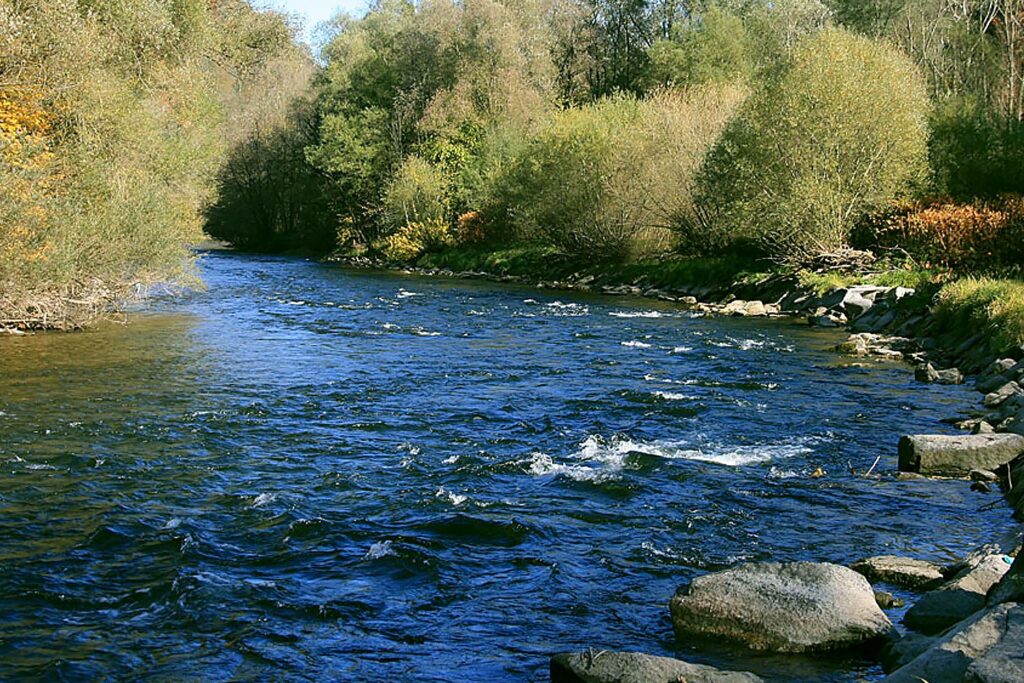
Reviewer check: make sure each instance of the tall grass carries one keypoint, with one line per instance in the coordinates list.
(992, 306)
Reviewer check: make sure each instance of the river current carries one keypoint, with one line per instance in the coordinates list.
(308, 473)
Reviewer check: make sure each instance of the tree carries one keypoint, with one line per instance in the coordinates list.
(839, 130)
(712, 48)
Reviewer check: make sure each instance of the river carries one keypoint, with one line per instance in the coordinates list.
(309, 473)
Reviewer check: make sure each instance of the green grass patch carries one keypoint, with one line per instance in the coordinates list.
(914, 278)
(988, 305)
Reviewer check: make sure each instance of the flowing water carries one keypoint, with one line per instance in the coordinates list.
(306, 473)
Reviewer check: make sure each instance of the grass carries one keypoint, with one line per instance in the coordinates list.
(914, 278)
(982, 304)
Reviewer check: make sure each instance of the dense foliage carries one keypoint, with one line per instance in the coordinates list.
(823, 142)
(114, 120)
(594, 129)
(622, 129)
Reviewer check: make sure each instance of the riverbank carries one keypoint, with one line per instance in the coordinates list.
(940, 328)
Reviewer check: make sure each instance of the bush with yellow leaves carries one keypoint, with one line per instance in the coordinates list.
(415, 239)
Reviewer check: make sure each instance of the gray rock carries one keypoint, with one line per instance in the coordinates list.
(900, 571)
(959, 454)
(900, 651)
(898, 293)
(745, 308)
(870, 344)
(957, 599)
(600, 666)
(926, 372)
(755, 309)
(855, 304)
(983, 427)
(998, 632)
(1011, 587)
(1000, 395)
(989, 384)
(791, 607)
(887, 600)
(983, 475)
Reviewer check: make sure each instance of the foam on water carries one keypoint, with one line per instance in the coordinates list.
(558, 309)
(637, 314)
(599, 458)
(673, 396)
(263, 499)
(636, 344)
(453, 498)
(378, 550)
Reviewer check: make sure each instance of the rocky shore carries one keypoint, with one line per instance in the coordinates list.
(967, 623)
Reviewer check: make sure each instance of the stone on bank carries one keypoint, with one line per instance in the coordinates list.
(987, 648)
(791, 607)
(957, 455)
(600, 666)
(905, 572)
(959, 598)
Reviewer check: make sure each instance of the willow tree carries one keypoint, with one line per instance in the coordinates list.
(839, 130)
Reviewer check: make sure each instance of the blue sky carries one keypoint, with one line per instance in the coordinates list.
(315, 11)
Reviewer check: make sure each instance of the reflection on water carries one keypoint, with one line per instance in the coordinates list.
(305, 473)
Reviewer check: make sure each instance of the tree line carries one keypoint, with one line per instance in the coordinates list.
(622, 129)
(602, 129)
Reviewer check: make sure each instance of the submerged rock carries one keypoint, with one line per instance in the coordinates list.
(600, 666)
(957, 599)
(959, 454)
(791, 607)
(987, 648)
(900, 571)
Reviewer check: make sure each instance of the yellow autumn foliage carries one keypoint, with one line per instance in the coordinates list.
(113, 126)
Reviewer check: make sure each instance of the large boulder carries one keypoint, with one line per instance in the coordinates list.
(985, 648)
(772, 607)
(600, 666)
(957, 455)
(957, 599)
(900, 571)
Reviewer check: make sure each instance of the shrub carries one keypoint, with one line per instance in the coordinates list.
(611, 180)
(470, 228)
(416, 194)
(961, 237)
(840, 130)
(414, 239)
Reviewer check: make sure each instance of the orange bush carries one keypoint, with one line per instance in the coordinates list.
(471, 228)
(26, 168)
(963, 237)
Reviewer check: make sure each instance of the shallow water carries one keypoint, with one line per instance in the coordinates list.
(306, 473)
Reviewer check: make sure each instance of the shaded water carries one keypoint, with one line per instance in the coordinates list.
(305, 473)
